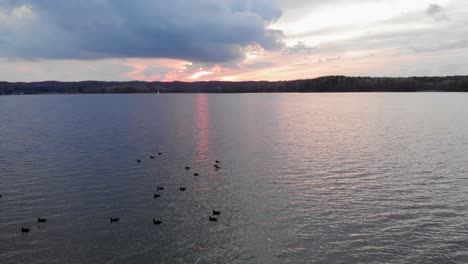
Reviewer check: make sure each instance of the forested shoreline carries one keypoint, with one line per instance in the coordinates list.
(318, 85)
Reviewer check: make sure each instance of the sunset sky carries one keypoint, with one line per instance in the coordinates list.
(232, 40)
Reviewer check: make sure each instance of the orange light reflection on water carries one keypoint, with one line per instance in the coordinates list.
(203, 144)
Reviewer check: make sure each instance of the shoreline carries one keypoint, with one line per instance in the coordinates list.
(328, 84)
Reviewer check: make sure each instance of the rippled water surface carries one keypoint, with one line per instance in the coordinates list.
(304, 178)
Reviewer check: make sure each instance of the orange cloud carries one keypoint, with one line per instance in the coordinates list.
(273, 66)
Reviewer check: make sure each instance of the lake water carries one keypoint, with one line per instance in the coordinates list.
(304, 178)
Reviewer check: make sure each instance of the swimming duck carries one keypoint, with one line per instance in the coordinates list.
(112, 220)
(187, 167)
(159, 188)
(216, 212)
(213, 219)
(196, 174)
(151, 157)
(156, 222)
(41, 220)
(138, 161)
(182, 188)
(156, 195)
(25, 230)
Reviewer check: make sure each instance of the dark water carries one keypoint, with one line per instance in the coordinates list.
(305, 178)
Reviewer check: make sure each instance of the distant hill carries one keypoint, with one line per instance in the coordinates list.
(319, 85)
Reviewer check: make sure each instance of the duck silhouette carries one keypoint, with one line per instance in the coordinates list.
(156, 195)
(196, 174)
(187, 167)
(216, 212)
(158, 188)
(25, 230)
(151, 157)
(212, 219)
(216, 166)
(156, 222)
(160, 153)
(182, 188)
(217, 161)
(41, 220)
(138, 161)
(113, 220)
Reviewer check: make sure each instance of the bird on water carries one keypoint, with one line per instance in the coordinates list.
(187, 167)
(41, 220)
(25, 230)
(196, 174)
(216, 212)
(151, 157)
(138, 161)
(112, 220)
(182, 188)
(217, 161)
(156, 222)
(156, 195)
(158, 188)
(212, 219)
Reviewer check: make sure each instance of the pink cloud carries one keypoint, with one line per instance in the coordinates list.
(273, 66)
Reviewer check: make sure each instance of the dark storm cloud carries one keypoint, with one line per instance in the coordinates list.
(202, 30)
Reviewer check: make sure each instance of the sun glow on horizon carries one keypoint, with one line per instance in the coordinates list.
(199, 74)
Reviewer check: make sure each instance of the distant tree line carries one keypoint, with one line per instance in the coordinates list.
(318, 85)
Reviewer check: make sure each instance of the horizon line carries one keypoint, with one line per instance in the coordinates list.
(207, 81)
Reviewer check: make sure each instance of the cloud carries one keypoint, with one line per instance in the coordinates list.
(300, 47)
(260, 64)
(436, 11)
(329, 59)
(230, 39)
(202, 30)
(66, 70)
(424, 28)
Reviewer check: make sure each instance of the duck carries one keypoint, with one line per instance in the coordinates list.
(212, 219)
(160, 153)
(217, 161)
(196, 174)
(151, 157)
(187, 167)
(159, 188)
(41, 220)
(216, 212)
(0, 196)
(216, 166)
(25, 230)
(112, 220)
(138, 161)
(156, 195)
(156, 222)
(182, 188)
